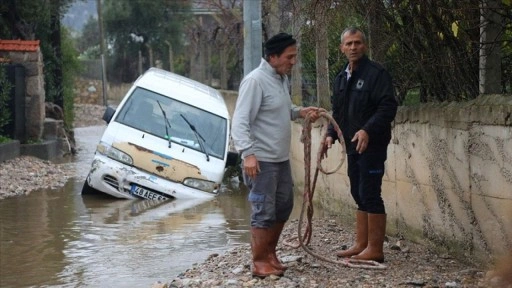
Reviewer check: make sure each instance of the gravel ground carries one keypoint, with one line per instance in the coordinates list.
(25, 174)
(407, 264)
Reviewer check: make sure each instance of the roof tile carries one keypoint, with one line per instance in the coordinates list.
(19, 45)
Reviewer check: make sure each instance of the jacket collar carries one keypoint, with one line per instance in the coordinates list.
(265, 66)
(362, 63)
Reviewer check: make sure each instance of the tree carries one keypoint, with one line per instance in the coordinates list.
(143, 26)
(89, 40)
(430, 47)
(433, 47)
(224, 36)
(29, 20)
(490, 51)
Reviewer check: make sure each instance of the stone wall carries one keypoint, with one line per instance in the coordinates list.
(34, 90)
(448, 176)
(90, 91)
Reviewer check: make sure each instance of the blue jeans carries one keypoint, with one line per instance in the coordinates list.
(365, 172)
(271, 194)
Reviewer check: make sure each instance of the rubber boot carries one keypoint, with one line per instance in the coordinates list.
(276, 232)
(376, 235)
(361, 236)
(261, 239)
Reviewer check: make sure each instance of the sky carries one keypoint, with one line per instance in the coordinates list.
(78, 13)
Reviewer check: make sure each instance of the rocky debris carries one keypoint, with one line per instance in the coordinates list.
(25, 174)
(407, 265)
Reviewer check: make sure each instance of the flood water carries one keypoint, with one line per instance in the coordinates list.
(59, 238)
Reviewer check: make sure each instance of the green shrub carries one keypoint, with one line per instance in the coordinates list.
(5, 88)
(4, 139)
(71, 67)
(412, 98)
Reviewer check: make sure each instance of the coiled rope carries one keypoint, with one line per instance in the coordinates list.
(309, 188)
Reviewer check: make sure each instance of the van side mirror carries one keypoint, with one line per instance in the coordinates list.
(233, 159)
(109, 112)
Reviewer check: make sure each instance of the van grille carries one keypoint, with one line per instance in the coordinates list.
(112, 181)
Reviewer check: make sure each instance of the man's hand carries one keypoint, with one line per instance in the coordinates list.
(362, 139)
(327, 145)
(251, 166)
(307, 110)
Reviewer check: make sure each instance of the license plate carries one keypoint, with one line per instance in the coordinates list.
(146, 194)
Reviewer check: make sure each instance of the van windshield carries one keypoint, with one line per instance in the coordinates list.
(142, 111)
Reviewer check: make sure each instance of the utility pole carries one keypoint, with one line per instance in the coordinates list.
(102, 51)
(252, 35)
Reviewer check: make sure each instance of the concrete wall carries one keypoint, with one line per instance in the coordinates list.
(448, 175)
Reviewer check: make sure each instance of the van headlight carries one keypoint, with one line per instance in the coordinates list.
(200, 184)
(116, 154)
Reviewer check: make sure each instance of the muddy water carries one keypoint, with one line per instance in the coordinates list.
(59, 238)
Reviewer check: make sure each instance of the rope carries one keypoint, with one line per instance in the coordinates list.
(309, 188)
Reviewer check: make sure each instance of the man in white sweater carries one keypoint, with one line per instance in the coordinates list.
(261, 132)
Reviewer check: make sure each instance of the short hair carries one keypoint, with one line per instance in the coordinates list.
(278, 43)
(352, 31)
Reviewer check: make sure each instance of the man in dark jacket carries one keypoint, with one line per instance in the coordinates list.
(364, 105)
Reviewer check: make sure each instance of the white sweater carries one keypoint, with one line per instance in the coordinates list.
(261, 121)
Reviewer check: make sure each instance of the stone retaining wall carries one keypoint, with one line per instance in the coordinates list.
(90, 91)
(34, 90)
(448, 175)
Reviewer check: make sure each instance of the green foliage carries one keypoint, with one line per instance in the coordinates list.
(412, 98)
(141, 25)
(5, 88)
(50, 64)
(26, 17)
(33, 141)
(70, 69)
(506, 65)
(181, 65)
(337, 22)
(432, 51)
(4, 139)
(89, 40)
(30, 20)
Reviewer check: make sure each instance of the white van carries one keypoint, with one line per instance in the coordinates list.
(168, 138)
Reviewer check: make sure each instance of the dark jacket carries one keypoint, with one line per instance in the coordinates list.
(367, 101)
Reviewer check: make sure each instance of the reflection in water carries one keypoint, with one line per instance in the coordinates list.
(139, 242)
(59, 238)
(33, 234)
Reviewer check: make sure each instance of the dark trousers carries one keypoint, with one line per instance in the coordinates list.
(365, 172)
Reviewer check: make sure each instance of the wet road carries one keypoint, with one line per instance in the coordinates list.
(59, 238)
